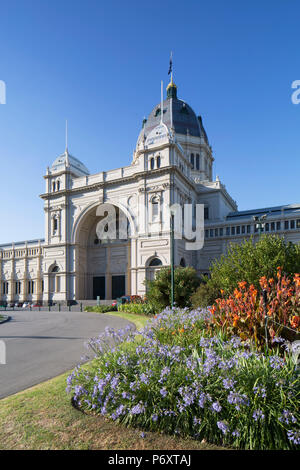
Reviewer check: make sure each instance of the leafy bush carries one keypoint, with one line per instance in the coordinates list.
(178, 381)
(243, 313)
(159, 290)
(249, 262)
(101, 308)
(138, 308)
(206, 294)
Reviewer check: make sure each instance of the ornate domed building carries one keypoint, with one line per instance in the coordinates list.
(172, 167)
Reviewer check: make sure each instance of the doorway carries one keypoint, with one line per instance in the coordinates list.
(99, 287)
(118, 286)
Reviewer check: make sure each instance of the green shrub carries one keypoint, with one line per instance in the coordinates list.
(186, 282)
(101, 308)
(205, 295)
(249, 262)
(138, 308)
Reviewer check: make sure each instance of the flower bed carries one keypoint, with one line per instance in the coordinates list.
(180, 379)
(245, 314)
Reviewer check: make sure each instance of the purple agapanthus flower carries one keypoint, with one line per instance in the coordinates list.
(223, 426)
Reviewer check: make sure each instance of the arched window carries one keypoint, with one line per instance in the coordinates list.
(54, 280)
(192, 160)
(158, 161)
(58, 185)
(53, 186)
(197, 161)
(155, 262)
(152, 163)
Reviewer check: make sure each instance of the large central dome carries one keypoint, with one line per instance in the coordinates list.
(177, 115)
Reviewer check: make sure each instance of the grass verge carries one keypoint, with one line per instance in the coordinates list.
(42, 418)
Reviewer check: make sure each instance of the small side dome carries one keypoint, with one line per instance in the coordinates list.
(72, 163)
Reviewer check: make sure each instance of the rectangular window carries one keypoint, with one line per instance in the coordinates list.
(227, 231)
(243, 229)
(192, 160)
(278, 225)
(18, 288)
(298, 223)
(272, 226)
(211, 233)
(238, 230)
(221, 232)
(206, 233)
(286, 225)
(216, 232)
(206, 214)
(292, 224)
(267, 227)
(232, 230)
(30, 287)
(248, 228)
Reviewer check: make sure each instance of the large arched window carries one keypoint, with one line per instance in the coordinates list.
(158, 161)
(152, 163)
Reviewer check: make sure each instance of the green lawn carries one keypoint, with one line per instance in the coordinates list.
(42, 418)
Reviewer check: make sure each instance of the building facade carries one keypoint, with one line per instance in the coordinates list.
(171, 165)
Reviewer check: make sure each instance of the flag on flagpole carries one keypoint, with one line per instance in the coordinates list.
(171, 64)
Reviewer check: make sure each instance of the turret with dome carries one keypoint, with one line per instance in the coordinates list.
(185, 127)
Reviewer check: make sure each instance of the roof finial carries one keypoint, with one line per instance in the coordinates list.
(171, 88)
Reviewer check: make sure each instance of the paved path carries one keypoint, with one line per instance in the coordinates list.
(41, 345)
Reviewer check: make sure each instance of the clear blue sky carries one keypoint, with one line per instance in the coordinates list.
(99, 64)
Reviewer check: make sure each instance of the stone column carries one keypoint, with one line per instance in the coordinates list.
(128, 287)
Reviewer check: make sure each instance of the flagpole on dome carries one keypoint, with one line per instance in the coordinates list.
(66, 151)
(171, 66)
(161, 101)
(66, 135)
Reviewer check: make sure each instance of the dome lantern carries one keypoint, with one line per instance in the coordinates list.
(172, 89)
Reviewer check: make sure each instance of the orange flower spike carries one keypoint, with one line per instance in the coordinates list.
(295, 321)
(237, 294)
(263, 282)
(242, 284)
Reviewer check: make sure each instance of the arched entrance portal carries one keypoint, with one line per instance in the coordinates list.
(102, 265)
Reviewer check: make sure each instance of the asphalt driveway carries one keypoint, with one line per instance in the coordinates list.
(41, 345)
